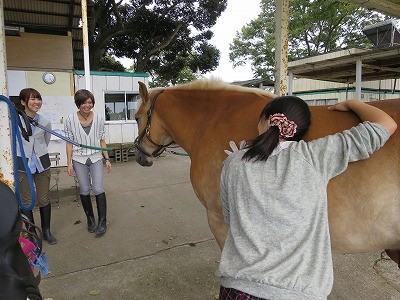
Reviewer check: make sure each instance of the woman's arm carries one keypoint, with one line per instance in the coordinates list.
(367, 113)
(69, 159)
(105, 154)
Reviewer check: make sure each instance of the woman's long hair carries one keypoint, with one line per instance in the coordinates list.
(295, 110)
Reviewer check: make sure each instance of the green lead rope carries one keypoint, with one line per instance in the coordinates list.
(35, 123)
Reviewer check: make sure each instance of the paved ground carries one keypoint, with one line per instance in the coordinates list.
(158, 244)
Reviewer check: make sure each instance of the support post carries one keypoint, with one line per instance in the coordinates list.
(85, 44)
(6, 163)
(358, 79)
(290, 84)
(281, 46)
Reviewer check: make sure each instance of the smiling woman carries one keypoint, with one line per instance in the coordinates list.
(87, 127)
(36, 150)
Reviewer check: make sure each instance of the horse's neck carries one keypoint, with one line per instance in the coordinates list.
(182, 119)
(193, 118)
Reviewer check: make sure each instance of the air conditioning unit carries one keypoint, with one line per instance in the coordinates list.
(383, 34)
(13, 30)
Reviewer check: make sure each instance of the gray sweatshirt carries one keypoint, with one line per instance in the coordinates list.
(278, 245)
(39, 141)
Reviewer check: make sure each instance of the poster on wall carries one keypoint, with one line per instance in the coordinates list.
(57, 109)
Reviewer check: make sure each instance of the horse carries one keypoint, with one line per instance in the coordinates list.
(204, 115)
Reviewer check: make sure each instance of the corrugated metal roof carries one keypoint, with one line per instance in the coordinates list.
(387, 7)
(377, 64)
(255, 82)
(50, 17)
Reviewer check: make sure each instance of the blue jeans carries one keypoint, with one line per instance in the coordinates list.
(82, 172)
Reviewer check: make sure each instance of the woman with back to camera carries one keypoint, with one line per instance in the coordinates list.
(274, 197)
(87, 128)
(38, 159)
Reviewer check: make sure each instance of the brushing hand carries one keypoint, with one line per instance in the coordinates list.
(235, 148)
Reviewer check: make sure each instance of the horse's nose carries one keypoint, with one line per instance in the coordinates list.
(143, 160)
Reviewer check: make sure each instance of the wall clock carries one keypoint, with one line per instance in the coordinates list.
(49, 78)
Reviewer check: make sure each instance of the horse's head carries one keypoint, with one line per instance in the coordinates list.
(152, 139)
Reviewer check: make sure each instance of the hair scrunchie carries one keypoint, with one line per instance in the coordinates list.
(287, 128)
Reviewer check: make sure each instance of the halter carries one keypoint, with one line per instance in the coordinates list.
(146, 132)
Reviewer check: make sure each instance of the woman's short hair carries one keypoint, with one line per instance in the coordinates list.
(27, 93)
(81, 96)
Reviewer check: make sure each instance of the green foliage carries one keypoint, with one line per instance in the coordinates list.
(315, 27)
(166, 38)
(185, 75)
(109, 63)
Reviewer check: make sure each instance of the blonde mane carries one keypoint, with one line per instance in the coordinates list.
(211, 84)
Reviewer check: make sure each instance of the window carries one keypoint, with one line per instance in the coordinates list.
(121, 106)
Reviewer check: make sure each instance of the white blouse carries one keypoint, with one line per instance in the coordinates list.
(74, 131)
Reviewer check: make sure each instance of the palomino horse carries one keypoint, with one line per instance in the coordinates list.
(203, 116)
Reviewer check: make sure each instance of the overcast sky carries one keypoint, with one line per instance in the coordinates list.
(237, 14)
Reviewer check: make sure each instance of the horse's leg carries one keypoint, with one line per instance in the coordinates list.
(215, 217)
(205, 182)
(217, 224)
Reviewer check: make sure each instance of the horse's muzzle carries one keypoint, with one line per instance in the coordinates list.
(143, 160)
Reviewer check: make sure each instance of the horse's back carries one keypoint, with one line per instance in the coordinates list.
(364, 201)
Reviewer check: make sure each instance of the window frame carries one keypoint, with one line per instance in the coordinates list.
(125, 94)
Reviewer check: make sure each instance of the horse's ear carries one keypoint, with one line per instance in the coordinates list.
(143, 92)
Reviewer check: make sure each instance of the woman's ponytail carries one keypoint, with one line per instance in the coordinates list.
(263, 145)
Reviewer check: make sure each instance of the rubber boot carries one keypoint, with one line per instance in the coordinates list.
(88, 209)
(45, 216)
(102, 212)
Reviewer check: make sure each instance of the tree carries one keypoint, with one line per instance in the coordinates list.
(163, 37)
(315, 27)
(109, 63)
(104, 23)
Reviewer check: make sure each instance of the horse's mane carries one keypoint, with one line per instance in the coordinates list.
(212, 84)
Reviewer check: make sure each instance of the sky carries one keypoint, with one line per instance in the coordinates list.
(237, 14)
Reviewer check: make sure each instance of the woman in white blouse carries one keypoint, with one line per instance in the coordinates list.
(87, 128)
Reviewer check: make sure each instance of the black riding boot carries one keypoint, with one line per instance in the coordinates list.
(88, 209)
(45, 216)
(102, 211)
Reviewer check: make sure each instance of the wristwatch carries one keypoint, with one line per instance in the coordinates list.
(106, 158)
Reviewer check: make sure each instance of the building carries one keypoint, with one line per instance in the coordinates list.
(44, 51)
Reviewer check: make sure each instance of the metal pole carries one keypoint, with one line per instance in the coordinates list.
(290, 84)
(6, 163)
(85, 44)
(281, 46)
(358, 79)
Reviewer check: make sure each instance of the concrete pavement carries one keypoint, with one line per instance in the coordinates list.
(159, 246)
